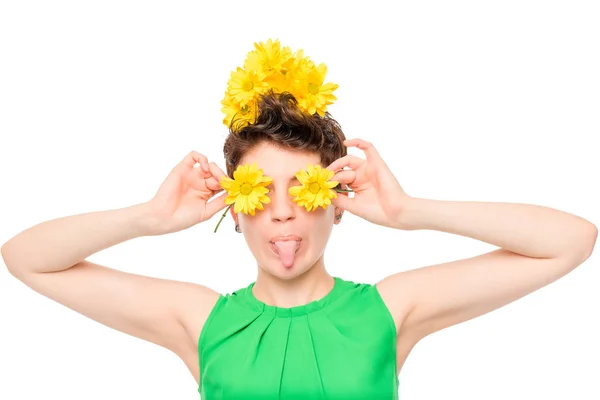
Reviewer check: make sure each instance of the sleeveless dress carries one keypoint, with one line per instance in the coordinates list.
(342, 346)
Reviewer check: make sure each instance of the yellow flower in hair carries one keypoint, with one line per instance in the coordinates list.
(238, 111)
(267, 58)
(244, 85)
(273, 67)
(316, 190)
(294, 73)
(316, 95)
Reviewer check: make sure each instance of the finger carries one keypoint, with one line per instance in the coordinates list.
(216, 204)
(345, 176)
(213, 183)
(194, 158)
(348, 160)
(216, 171)
(365, 146)
(344, 202)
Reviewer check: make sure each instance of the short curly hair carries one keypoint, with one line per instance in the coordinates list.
(280, 122)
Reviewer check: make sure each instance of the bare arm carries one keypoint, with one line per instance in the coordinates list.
(60, 243)
(538, 246)
(50, 258)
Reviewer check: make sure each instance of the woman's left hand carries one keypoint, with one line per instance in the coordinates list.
(378, 197)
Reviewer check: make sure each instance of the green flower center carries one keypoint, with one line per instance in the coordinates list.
(314, 188)
(313, 88)
(246, 189)
(248, 86)
(244, 109)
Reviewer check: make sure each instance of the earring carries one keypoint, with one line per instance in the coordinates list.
(338, 217)
(237, 228)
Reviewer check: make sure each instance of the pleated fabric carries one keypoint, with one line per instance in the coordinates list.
(342, 346)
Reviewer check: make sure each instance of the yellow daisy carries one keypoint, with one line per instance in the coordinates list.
(294, 73)
(236, 110)
(270, 66)
(246, 191)
(316, 94)
(316, 189)
(267, 57)
(244, 85)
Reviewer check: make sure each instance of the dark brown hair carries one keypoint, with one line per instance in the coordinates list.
(279, 121)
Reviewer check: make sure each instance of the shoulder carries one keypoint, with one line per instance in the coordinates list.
(195, 307)
(369, 297)
(201, 307)
(393, 294)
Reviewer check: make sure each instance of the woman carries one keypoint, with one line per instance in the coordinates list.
(297, 331)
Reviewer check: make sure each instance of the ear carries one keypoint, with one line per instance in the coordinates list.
(338, 210)
(234, 215)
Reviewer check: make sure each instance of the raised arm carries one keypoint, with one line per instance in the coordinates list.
(538, 245)
(50, 258)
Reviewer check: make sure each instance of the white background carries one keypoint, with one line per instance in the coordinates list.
(465, 100)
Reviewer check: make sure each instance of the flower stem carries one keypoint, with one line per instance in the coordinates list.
(223, 216)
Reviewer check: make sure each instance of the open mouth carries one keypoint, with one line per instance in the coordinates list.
(276, 251)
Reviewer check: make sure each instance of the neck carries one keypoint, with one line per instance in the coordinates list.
(309, 286)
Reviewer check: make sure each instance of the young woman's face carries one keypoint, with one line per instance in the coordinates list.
(283, 216)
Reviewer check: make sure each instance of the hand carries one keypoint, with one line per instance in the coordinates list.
(378, 197)
(182, 199)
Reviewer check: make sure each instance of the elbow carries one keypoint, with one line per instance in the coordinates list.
(4, 253)
(588, 242)
(11, 266)
(593, 238)
(580, 246)
(8, 259)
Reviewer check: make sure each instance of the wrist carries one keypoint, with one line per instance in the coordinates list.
(409, 215)
(146, 219)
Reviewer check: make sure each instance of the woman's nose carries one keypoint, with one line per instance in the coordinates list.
(282, 206)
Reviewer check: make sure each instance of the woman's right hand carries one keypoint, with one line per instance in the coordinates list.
(182, 199)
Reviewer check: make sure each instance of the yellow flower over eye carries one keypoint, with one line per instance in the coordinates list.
(247, 189)
(316, 189)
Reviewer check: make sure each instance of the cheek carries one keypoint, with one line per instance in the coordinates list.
(320, 223)
(252, 222)
(255, 227)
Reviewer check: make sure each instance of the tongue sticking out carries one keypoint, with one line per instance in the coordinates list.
(287, 251)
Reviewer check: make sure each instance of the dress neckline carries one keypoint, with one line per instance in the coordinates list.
(303, 309)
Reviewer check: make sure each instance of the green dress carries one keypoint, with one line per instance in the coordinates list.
(342, 346)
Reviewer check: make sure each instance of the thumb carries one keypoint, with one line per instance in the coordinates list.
(216, 204)
(343, 201)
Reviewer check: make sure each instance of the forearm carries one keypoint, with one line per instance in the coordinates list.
(60, 243)
(527, 229)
